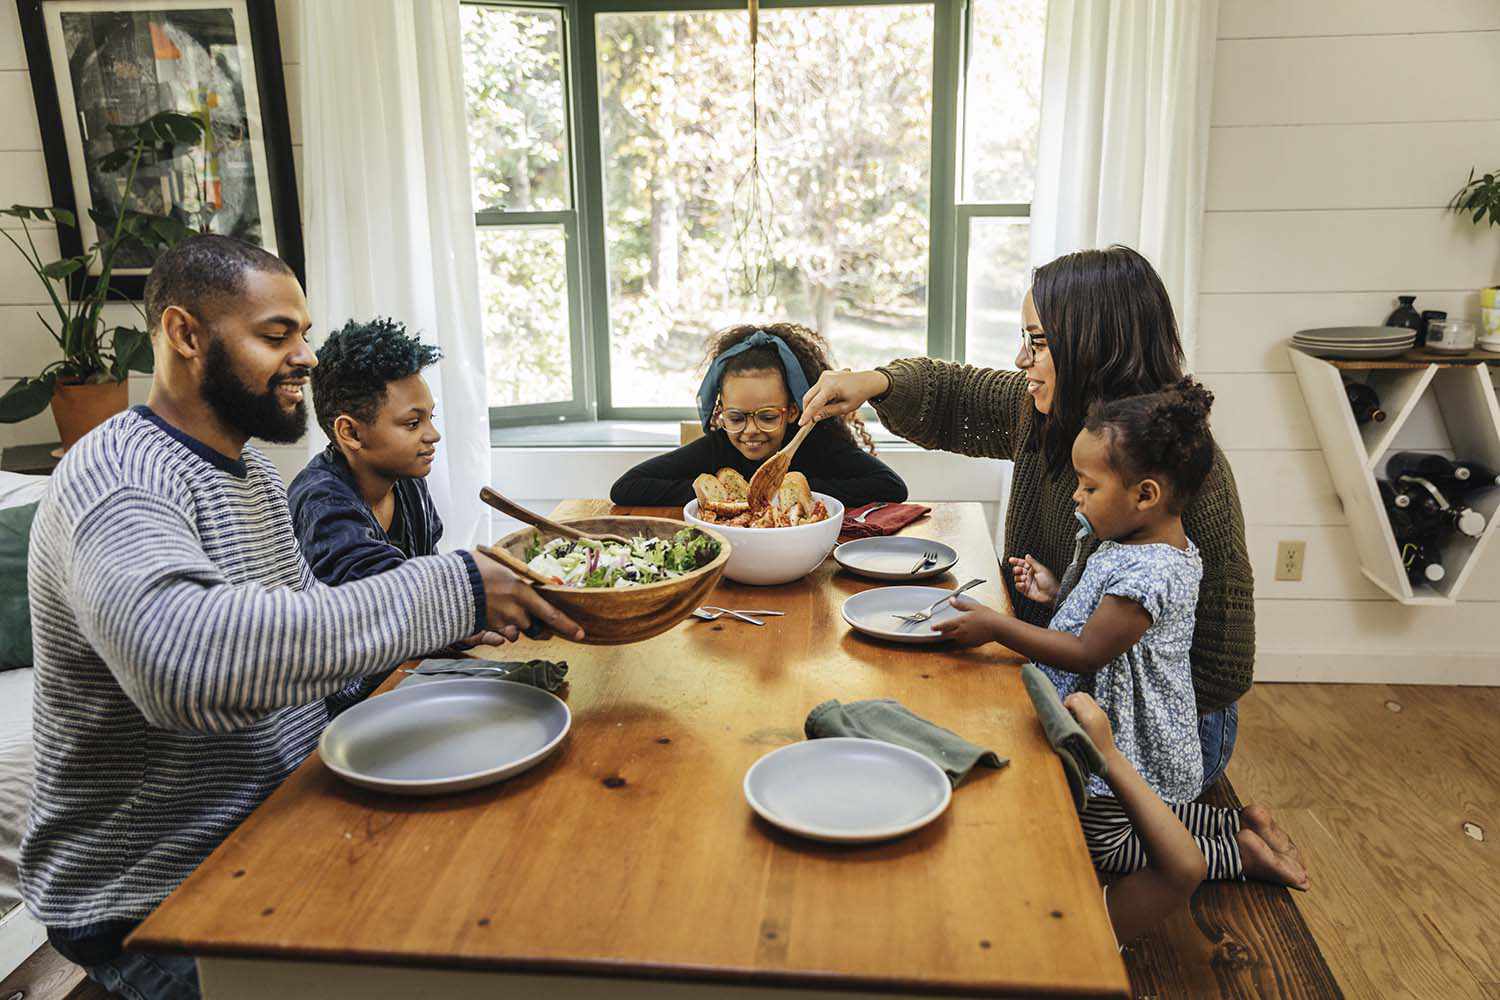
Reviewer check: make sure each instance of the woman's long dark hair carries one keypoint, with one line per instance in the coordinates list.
(812, 353)
(1111, 333)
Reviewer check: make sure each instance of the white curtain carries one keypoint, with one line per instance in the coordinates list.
(389, 217)
(1123, 146)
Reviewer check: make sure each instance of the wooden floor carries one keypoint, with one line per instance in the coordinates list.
(1376, 783)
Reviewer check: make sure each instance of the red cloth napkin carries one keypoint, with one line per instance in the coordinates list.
(885, 521)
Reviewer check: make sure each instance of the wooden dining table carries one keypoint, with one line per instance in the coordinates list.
(629, 864)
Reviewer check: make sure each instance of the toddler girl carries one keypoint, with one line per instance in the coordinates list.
(1124, 625)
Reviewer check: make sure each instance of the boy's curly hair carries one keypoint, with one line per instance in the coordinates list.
(812, 353)
(357, 362)
(1163, 434)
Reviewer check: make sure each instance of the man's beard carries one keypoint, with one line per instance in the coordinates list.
(254, 414)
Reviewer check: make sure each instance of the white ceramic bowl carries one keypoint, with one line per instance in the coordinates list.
(766, 556)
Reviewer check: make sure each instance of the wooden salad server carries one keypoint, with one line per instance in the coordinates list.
(767, 478)
(507, 506)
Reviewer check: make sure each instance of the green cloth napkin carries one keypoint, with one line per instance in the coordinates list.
(1080, 758)
(890, 721)
(15, 609)
(548, 675)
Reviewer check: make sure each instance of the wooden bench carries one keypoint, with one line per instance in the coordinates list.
(1237, 939)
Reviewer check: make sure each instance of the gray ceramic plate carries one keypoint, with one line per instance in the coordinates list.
(1371, 354)
(873, 613)
(1349, 334)
(847, 790)
(431, 739)
(891, 557)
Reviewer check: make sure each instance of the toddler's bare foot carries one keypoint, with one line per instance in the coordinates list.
(1261, 861)
(1259, 819)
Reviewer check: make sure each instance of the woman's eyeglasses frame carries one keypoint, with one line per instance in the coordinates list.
(1030, 344)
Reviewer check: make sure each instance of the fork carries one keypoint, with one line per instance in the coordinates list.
(861, 518)
(931, 609)
(709, 613)
(930, 556)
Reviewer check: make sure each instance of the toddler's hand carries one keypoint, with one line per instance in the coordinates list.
(1092, 718)
(1034, 581)
(974, 627)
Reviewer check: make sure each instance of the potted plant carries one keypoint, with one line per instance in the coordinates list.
(87, 384)
(1480, 198)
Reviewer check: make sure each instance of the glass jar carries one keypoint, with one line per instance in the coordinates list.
(1451, 336)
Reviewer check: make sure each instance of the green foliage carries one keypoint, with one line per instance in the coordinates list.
(1478, 198)
(90, 351)
(846, 98)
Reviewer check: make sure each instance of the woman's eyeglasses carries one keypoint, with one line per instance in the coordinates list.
(1030, 344)
(767, 418)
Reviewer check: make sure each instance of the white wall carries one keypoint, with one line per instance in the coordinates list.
(1340, 130)
(25, 346)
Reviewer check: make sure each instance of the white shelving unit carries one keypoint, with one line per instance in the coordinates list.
(1441, 406)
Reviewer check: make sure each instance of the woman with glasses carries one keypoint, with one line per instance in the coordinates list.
(748, 401)
(1097, 325)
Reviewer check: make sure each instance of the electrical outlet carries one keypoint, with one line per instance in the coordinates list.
(1289, 559)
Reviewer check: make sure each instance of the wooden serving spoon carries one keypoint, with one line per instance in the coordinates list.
(516, 566)
(507, 506)
(767, 478)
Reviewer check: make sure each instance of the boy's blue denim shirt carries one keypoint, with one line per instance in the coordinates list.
(341, 540)
(337, 530)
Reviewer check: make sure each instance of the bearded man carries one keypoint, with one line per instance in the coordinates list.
(184, 651)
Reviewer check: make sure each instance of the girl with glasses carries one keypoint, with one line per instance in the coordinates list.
(749, 404)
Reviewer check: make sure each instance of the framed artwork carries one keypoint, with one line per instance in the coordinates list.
(102, 63)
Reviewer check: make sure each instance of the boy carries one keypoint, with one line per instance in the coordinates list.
(361, 507)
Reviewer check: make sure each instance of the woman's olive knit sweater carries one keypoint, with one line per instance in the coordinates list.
(976, 411)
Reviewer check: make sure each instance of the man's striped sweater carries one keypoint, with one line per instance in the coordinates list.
(183, 654)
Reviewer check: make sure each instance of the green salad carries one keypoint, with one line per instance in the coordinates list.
(587, 563)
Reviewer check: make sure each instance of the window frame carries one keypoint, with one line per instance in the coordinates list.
(581, 405)
(949, 220)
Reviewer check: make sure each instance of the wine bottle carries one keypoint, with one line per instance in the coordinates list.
(1418, 463)
(1473, 476)
(1365, 403)
(1422, 565)
(1433, 507)
(1393, 498)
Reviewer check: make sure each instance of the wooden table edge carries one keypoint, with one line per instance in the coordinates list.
(641, 972)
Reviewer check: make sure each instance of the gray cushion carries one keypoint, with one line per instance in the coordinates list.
(15, 612)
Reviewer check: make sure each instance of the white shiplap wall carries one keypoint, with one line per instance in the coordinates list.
(1339, 131)
(25, 346)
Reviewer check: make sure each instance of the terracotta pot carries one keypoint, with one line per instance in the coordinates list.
(80, 407)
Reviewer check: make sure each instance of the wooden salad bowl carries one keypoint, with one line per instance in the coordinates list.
(614, 616)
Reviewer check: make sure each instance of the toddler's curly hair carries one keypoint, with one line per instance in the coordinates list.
(1162, 434)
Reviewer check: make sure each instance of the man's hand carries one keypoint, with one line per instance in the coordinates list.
(838, 393)
(1034, 581)
(488, 638)
(510, 603)
(975, 626)
(1093, 720)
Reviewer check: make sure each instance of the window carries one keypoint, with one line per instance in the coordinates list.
(517, 96)
(610, 144)
(1002, 110)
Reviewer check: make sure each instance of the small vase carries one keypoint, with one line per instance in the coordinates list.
(80, 407)
(1405, 314)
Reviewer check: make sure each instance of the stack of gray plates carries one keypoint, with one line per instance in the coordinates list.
(1362, 342)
